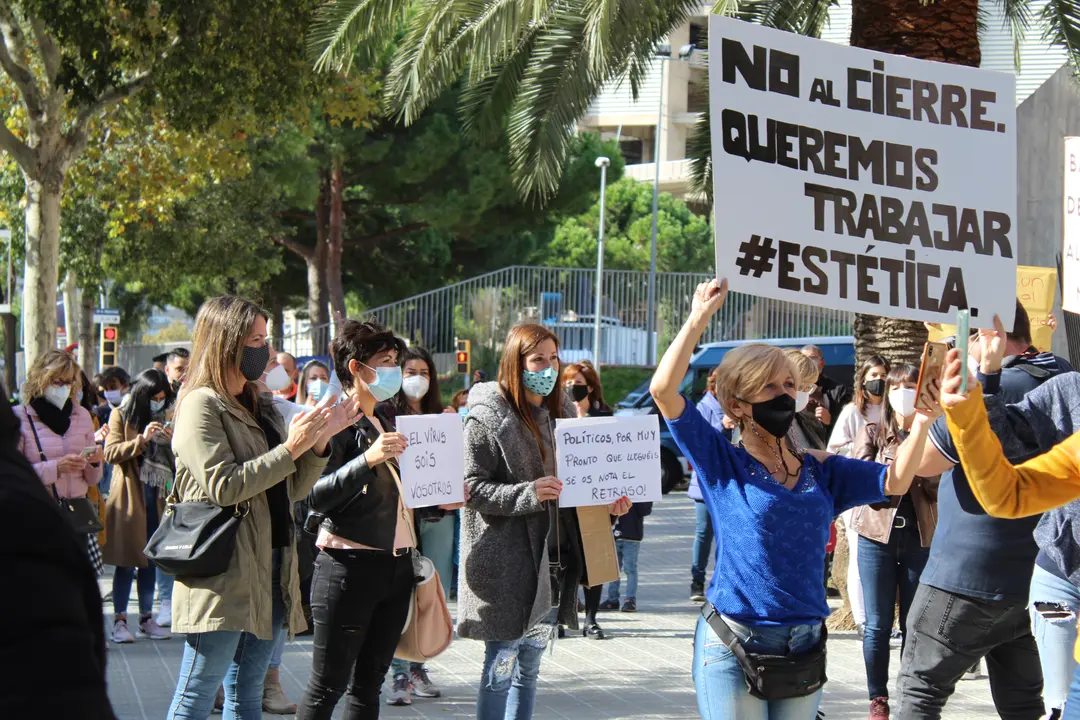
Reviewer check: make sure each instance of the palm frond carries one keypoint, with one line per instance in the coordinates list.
(1018, 17)
(485, 101)
(699, 150)
(1062, 19)
(344, 30)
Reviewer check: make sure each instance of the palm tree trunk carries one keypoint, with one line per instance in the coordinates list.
(944, 31)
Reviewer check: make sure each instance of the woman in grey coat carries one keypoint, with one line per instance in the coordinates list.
(511, 530)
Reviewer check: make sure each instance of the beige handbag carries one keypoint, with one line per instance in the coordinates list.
(429, 629)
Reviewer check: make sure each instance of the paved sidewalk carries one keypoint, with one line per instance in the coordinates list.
(642, 671)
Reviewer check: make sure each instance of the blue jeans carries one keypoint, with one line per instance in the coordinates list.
(886, 568)
(164, 587)
(1072, 705)
(147, 576)
(238, 657)
(280, 635)
(627, 551)
(721, 685)
(1056, 637)
(508, 683)
(703, 540)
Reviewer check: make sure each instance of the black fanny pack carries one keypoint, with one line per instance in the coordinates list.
(773, 677)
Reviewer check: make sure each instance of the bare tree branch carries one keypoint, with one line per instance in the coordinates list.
(47, 49)
(78, 135)
(16, 148)
(305, 252)
(12, 50)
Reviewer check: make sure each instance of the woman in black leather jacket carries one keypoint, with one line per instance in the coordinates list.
(364, 573)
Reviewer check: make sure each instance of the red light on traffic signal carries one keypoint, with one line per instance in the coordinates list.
(110, 333)
(463, 357)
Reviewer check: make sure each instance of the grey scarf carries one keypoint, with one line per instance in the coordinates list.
(158, 468)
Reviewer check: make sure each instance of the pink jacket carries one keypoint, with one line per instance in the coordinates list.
(80, 435)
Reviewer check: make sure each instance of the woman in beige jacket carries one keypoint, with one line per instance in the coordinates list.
(232, 449)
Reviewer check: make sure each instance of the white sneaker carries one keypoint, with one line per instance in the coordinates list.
(150, 628)
(120, 632)
(399, 695)
(164, 616)
(422, 687)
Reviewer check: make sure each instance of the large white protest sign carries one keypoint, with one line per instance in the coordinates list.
(603, 459)
(433, 464)
(862, 181)
(1070, 256)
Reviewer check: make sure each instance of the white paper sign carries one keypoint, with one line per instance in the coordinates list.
(1070, 255)
(862, 181)
(602, 459)
(433, 464)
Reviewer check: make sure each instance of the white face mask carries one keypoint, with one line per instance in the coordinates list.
(415, 386)
(157, 405)
(114, 397)
(58, 395)
(902, 401)
(802, 399)
(278, 379)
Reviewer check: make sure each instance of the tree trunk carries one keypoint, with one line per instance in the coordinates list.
(277, 323)
(336, 230)
(41, 273)
(71, 308)
(318, 288)
(88, 356)
(11, 344)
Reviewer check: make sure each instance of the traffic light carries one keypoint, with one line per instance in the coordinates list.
(109, 336)
(464, 352)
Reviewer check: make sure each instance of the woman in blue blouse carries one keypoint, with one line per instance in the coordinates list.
(771, 504)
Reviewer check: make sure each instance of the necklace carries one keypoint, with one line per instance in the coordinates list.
(777, 454)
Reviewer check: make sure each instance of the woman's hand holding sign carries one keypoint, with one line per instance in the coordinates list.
(548, 488)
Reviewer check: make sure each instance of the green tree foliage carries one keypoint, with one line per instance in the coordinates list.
(684, 240)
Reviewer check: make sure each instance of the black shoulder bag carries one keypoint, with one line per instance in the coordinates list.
(195, 539)
(80, 513)
(773, 677)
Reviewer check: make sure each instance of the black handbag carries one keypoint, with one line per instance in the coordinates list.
(773, 677)
(195, 539)
(81, 513)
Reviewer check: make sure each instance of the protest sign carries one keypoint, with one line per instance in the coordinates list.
(433, 464)
(1035, 290)
(603, 459)
(1070, 257)
(861, 181)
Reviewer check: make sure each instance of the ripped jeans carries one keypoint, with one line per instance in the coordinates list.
(1056, 636)
(511, 669)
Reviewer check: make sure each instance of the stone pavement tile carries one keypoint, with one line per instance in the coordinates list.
(641, 672)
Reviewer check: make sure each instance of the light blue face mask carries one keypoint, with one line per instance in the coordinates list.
(157, 405)
(387, 382)
(541, 383)
(463, 412)
(316, 389)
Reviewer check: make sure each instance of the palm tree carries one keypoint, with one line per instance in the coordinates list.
(531, 68)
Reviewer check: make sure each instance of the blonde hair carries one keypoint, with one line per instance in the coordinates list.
(49, 366)
(746, 370)
(807, 368)
(222, 326)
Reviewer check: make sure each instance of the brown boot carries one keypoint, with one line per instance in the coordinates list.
(219, 699)
(275, 701)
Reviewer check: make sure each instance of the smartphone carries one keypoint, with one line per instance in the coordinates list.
(168, 423)
(962, 340)
(88, 451)
(933, 363)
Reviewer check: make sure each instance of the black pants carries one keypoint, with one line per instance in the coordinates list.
(360, 601)
(592, 603)
(948, 633)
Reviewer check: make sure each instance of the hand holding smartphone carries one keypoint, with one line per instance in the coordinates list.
(88, 451)
(931, 368)
(963, 318)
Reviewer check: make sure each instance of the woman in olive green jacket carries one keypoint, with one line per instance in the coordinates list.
(232, 448)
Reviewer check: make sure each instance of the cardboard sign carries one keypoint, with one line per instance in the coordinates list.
(861, 181)
(598, 546)
(603, 459)
(1070, 256)
(433, 464)
(1035, 288)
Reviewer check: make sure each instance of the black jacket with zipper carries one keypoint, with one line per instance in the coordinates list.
(357, 502)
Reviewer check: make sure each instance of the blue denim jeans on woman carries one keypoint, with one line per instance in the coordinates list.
(1055, 637)
(511, 669)
(885, 569)
(721, 685)
(238, 657)
(703, 540)
(627, 550)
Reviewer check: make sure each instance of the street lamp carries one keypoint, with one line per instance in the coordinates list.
(663, 52)
(602, 163)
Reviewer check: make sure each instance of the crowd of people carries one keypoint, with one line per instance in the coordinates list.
(956, 554)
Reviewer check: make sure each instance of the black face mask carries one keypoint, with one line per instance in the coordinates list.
(579, 392)
(175, 386)
(774, 416)
(875, 387)
(253, 362)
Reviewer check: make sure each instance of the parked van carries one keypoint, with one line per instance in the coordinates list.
(839, 353)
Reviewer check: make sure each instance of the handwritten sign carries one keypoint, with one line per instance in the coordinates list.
(602, 459)
(1035, 288)
(433, 464)
(1070, 256)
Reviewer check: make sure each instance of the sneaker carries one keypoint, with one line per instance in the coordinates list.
(896, 639)
(164, 616)
(975, 673)
(630, 605)
(120, 632)
(422, 687)
(879, 709)
(697, 592)
(149, 628)
(609, 605)
(860, 630)
(399, 694)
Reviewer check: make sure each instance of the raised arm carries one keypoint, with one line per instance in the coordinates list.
(708, 299)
